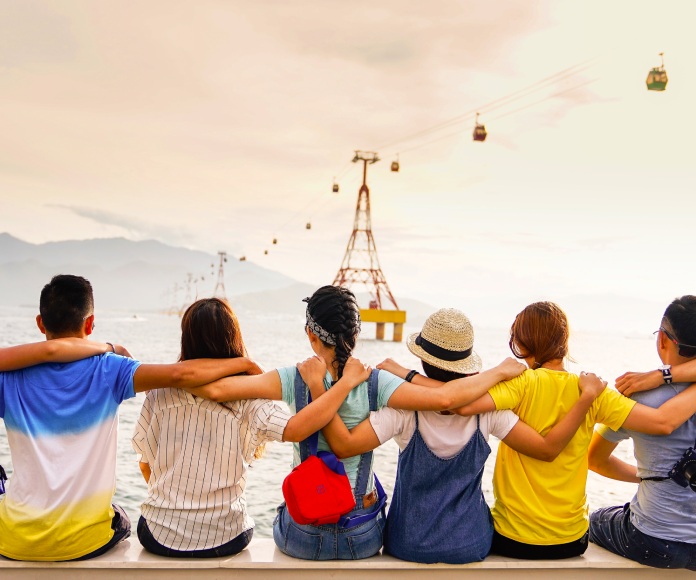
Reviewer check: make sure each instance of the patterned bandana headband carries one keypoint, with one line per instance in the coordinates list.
(324, 335)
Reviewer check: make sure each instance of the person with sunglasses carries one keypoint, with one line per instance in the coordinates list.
(658, 527)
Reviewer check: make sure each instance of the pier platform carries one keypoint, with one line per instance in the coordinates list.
(262, 560)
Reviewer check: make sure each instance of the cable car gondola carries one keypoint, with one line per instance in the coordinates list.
(395, 164)
(242, 258)
(308, 226)
(275, 241)
(335, 186)
(480, 132)
(657, 77)
(265, 252)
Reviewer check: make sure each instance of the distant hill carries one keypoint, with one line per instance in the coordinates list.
(125, 274)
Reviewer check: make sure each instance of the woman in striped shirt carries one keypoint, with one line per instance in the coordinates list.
(195, 452)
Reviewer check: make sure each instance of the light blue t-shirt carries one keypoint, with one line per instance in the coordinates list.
(662, 509)
(355, 409)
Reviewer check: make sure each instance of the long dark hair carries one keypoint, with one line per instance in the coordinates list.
(336, 310)
(210, 329)
(540, 331)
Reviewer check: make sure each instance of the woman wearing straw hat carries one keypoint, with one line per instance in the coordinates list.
(438, 512)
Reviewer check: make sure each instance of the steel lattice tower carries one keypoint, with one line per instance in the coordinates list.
(360, 263)
(219, 291)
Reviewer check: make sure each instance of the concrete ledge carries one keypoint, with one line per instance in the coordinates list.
(262, 560)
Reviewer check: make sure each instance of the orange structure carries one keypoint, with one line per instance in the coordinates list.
(361, 265)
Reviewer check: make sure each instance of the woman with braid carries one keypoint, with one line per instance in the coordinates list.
(332, 326)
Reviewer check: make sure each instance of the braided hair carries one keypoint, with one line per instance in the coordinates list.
(336, 310)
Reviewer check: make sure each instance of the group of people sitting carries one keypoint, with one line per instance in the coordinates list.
(206, 418)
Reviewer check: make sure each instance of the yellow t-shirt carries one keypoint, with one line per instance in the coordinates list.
(539, 502)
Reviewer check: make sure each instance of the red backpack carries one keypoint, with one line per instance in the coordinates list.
(317, 491)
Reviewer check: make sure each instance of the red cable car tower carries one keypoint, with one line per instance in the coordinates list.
(361, 265)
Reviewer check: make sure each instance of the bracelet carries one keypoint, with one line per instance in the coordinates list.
(113, 348)
(410, 375)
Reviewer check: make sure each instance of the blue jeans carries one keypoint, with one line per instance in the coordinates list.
(612, 529)
(328, 542)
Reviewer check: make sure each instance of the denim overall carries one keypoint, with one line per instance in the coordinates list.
(334, 541)
(438, 513)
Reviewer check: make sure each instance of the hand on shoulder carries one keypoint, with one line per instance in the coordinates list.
(393, 367)
(631, 382)
(591, 384)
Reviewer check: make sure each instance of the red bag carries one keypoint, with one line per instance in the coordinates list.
(318, 491)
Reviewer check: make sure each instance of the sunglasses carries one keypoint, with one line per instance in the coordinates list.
(685, 350)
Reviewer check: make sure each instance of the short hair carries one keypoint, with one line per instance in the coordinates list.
(681, 315)
(442, 375)
(540, 331)
(210, 329)
(66, 301)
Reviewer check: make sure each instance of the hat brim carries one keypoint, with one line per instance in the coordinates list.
(468, 365)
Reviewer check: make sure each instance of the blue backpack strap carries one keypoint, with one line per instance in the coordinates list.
(302, 399)
(366, 458)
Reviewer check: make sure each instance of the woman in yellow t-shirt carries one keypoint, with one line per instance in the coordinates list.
(540, 509)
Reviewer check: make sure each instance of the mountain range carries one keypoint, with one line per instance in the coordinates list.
(149, 275)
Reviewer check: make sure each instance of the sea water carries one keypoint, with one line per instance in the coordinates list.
(276, 340)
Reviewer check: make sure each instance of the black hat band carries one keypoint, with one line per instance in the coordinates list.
(442, 353)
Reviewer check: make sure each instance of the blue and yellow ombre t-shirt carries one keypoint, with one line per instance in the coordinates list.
(62, 423)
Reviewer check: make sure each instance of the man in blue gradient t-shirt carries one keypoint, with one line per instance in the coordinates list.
(658, 526)
(62, 423)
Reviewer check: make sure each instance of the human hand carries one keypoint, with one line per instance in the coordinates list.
(511, 368)
(313, 370)
(253, 368)
(355, 372)
(629, 383)
(393, 367)
(122, 350)
(591, 385)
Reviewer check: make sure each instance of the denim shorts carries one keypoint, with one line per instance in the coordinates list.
(329, 542)
(611, 528)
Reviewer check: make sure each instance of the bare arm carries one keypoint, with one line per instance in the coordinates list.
(601, 460)
(265, 386)
(666, 418)
(452, 394)
(60, 350)
(192, 373)
(629, 383)
(145, 470)
(526, 440)
(325, 404)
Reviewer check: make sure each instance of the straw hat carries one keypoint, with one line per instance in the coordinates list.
(446, 341)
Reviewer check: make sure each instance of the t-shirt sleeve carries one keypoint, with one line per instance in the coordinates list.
(387, 383)
(387, 423)
(507, 394)
(500, 423)
(139, 440)
(121, 369)
(267, 421)
(613, 408)
(611, 435)
(287, 383)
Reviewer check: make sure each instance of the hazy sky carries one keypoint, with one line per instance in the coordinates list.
(221, 124)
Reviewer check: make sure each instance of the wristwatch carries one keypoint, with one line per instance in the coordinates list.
(666, 373)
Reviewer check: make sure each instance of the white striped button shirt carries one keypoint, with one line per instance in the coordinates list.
(199, 452)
